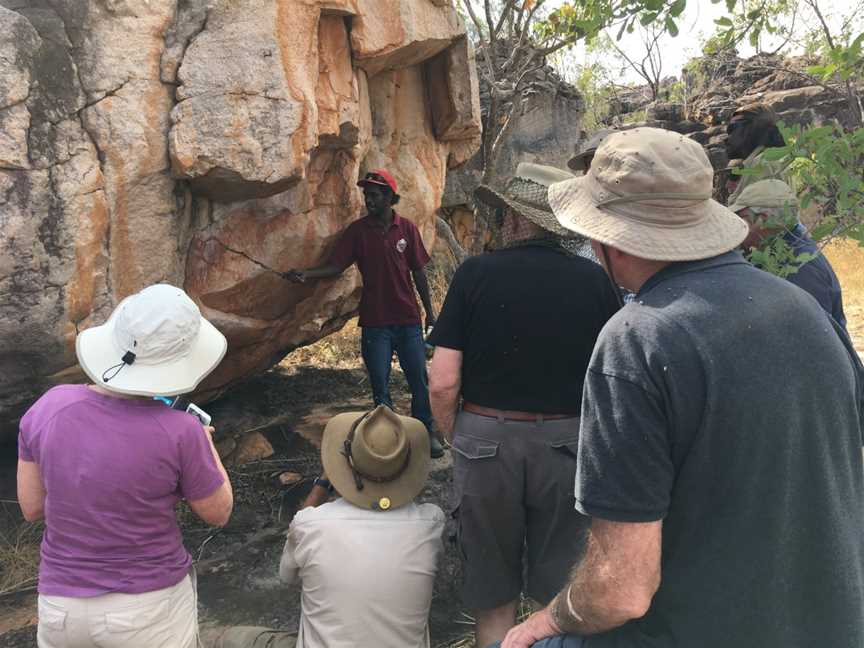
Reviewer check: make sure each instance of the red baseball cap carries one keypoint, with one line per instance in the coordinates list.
(379, 177)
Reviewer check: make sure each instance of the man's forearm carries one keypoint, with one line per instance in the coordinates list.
(602, 594)
(322, 272)
(422, 285)
(445, 406)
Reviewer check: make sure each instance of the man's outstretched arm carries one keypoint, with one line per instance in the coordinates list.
(321, 272)
(612, 584)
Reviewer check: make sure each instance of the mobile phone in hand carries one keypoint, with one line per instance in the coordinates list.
(198, 413)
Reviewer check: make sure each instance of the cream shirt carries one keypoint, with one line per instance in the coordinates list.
(367, 575)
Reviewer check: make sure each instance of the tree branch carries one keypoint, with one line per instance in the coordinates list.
(484, 45)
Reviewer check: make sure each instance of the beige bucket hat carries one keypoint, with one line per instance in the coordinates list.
(527, 194)
(156, 343)
(579, 162)
(765, 194)
(648, 193)
(376, 460)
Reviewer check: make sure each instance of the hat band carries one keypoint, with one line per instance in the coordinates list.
(603, 199)
(358, 474)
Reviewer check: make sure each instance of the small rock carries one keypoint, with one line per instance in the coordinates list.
(290, 478)
(252, 447)
(225, 447)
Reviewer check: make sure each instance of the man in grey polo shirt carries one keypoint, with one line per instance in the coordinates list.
(723, 474)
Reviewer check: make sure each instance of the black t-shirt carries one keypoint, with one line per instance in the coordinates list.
(724, 402)
(526, 319)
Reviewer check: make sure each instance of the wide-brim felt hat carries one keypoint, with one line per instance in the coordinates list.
(589, 148)
(155, 343)
(376, 460)
(648, 193)
(527, 194)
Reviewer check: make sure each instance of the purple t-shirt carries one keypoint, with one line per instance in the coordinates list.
(114, 470)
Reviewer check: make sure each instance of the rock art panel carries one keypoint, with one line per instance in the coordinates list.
(182, 143)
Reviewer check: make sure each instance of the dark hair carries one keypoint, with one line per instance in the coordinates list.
(761, 123)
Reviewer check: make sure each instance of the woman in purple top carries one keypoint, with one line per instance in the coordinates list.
(105, 464)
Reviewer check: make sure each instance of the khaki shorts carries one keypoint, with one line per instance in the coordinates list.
(165, 618)
(517, 527)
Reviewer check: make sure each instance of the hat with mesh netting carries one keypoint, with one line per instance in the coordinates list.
(527, 194)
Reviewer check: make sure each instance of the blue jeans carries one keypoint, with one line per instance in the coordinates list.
(561, 641)
(378, 344)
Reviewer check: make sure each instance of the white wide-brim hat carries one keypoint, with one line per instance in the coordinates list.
(648, 193)
(156, 343)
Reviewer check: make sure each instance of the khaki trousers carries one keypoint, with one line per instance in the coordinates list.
(166, 618)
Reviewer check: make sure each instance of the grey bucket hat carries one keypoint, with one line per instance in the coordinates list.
(579, 161)
(527, 194)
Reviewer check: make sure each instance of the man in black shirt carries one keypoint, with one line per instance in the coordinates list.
(513, 340)
(720, 439)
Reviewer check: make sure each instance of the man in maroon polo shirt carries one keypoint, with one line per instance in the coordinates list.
(390, 254)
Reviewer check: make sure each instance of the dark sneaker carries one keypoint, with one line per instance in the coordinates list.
(436, 450)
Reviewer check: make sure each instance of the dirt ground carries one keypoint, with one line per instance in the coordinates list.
(238, 565)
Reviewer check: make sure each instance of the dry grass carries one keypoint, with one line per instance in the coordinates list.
(526, 608)
(19, 550)
(847, 258)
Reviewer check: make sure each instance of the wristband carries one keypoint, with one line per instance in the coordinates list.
(324, 483)
(564, 615)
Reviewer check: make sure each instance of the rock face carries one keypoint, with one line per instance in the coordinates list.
(717, 85)
(548, 127)
(179, 143)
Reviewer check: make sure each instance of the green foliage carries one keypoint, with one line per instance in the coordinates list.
(844, 62)
(586, 19)
(825, 163)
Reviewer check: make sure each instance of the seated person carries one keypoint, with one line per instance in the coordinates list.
(767, 205)
(367, 560)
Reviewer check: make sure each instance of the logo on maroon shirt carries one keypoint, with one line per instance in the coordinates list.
(401, 244)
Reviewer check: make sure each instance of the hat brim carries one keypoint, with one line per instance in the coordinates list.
(363, 183)
(540, 217)
(97, 352)
(717, 230)
(401, 490)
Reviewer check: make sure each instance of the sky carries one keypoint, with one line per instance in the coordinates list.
(695, 25)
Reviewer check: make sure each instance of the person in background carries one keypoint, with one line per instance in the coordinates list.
(721, 430)
(770, 207)
(513, 342)
(390, 255)
(105, 465)
(367, 561)
(751, 130)
(581, 162)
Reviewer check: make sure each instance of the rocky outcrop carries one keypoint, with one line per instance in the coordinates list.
(715, 86)
(548, 127)
(189, 141)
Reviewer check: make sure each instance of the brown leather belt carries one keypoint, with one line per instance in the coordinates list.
(510, 415)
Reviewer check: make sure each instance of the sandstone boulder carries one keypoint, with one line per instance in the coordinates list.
(194, 141)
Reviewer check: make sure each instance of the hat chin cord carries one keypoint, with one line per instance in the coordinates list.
(127, 359)
(358, 474)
